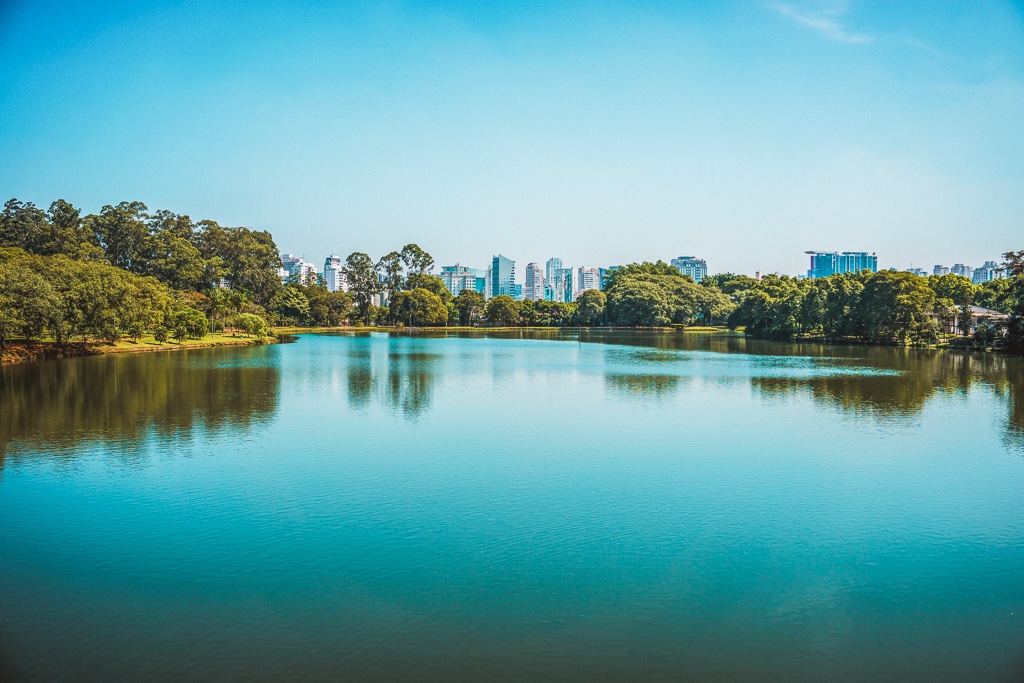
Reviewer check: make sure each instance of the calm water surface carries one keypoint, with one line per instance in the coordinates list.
(627, 505)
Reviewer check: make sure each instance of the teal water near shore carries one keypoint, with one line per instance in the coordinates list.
(514, 506)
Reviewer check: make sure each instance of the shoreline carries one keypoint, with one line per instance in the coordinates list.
(16, 353)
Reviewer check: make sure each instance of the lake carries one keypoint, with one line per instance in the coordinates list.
(517, 506)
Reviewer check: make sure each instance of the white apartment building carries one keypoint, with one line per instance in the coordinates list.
(588, 277)
(296, 265)
(534, 288)
(334, 274)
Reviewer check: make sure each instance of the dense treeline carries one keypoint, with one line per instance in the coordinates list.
(125, 272)
(882, 307)
(64, 298)
(185, 255)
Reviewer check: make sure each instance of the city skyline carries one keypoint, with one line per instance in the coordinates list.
(610, 133)
(553, 281)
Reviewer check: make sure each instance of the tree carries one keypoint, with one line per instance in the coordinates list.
(390, 268)
(713, 306)
(640, 303)
(252, 324)
(894, 303)
(123, 234)
(328, 309)
(292, 305)
(470, 307)
(189, 323)
(645, 268)
(23, 225)
(248, 259)
(590, 306)
(771, 308)
(431, 283)
(502, 309)
(1015, 301)
(419, 307)
(416, 260)
(363, 283)
(67, 234)
(217, 307)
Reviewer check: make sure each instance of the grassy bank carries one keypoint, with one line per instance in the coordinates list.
(24, 352)
(466, 328)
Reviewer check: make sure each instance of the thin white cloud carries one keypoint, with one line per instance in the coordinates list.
(824, 20)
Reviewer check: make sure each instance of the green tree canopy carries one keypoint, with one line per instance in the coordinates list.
(470, 307)
(502, 309)
(590, 306)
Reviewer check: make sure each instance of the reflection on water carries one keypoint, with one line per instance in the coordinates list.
(876, 382)
(393, 370)
(883, 381)
(650, 385)
(515, 506)
(124, 400)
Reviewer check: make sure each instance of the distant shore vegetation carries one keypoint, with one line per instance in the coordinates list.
(129, 273)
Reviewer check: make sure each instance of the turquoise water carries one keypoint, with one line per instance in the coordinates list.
(620, 506)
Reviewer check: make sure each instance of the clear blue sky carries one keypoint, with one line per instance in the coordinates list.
(600, 132)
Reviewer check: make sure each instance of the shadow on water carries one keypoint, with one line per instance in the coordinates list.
(121, 401)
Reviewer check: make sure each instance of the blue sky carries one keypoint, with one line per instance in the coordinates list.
(599, 132)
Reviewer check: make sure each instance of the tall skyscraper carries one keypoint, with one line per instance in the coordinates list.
(503, 276)
(534, 289)
(551, 267)
(588, 278)
(940, 270)
(334, 274)
(691, 265)
(825, 263)
(565, 285)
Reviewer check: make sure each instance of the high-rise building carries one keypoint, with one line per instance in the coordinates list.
(587, 278)
(695, 267)
(297, 266)
(565, 285)
(918, 271)
(962, 270)
(940, 270)
(825, 263)
(459, 279)
(550, 268)
(534, 289)
(503, 276)
(989, 271)
(334, 274)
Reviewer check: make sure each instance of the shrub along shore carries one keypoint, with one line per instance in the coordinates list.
(131, 279)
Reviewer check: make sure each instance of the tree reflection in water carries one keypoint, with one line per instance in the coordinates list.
(645, 385)
(398, 373)
(915, 375)
(120, 401)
